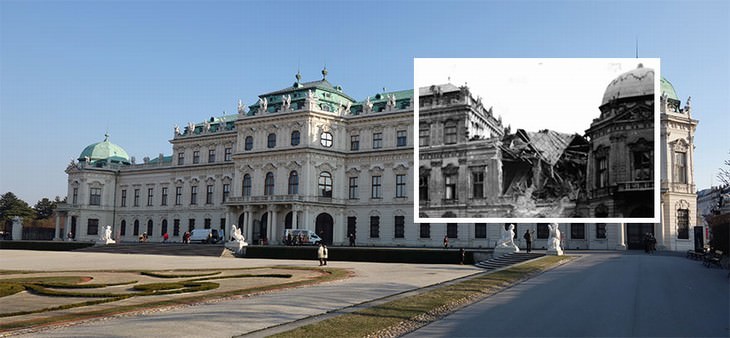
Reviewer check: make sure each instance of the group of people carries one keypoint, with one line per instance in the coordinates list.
(143, 237)
(649, 243)
(295, 240)
(322, 254)
(186, 237)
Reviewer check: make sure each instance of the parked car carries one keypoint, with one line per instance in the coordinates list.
(308, 237)
(205, 236)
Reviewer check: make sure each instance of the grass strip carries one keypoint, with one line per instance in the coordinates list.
(248, 275)
(327, 275)
(82, 286)
(7, 289)
(162, 275)
(415, 311)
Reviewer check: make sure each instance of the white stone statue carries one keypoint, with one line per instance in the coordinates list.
(238, 243)
(553, 243)
(391, 101)
(310, 94)
(191, 128)
(506, 244)
(241, 108)
(368, 107)
(106, 236)
(263, 105)
(177, 130)
(285, 102)
(206, 126)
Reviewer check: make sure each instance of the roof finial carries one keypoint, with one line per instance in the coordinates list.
(106, 137)
(324, 73)
(637, 46)
(298, 76)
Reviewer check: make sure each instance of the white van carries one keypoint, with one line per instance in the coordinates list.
(204, 236)
(308, 237)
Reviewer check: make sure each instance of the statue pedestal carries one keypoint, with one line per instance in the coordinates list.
(555, 252)
(238, 248)
(17, 231)
(504, 250)
(104, 242)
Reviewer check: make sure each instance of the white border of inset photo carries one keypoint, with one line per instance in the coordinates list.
(559, 94)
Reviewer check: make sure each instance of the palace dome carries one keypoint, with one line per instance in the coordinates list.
(636, 82)
(105, 151)
(666, 88)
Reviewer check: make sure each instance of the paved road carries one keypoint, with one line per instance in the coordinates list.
(235, 316)
(608, 295)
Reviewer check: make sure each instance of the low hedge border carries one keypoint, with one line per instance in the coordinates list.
(162, 275)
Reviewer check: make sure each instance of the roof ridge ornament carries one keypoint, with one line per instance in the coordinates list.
(324, 73)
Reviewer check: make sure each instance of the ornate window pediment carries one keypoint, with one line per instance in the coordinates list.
(376, 168)
(269, 167)
(679, 145)
(354, 171)
(324, 166)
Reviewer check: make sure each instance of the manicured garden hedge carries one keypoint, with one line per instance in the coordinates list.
(44, 245)
(363, 254)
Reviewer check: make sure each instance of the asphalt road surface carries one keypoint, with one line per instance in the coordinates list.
(603, 294)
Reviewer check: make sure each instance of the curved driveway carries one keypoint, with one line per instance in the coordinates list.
(602, 294)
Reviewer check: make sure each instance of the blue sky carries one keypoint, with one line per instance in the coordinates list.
(71, 71)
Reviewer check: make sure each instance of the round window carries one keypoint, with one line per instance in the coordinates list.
(326, 139)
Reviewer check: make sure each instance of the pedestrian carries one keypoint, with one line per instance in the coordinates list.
(352, 239)
(289, 239)
(320, 254)
(528, 239)
(165, 237)
(446, 241)
(326, 253)
(462, 253)
(186, 237)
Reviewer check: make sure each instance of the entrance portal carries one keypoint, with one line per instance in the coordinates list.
(635, 231)
(325, 227)
(259, 229)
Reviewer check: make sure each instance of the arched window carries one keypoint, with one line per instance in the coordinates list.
(136, 227)
(123, 228)
(295, 138)
(271, 141)
(269, 184)
(293, 183)
(325, 184)
(249, 143)
(247, 185)
(149, 228)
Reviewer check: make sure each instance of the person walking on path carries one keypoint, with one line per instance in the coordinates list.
(528, 239)
(321, 254)
(446, 241)
(352, 239)
(326, 253)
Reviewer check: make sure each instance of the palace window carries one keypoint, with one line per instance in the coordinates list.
(425, 230)
(135, 228)
(602, 172)
(353, 191)
(92, 227)
(180, 158)
(176, 227)
(228, 154)
(424, 136)
(150, 227)
(124, 198)
(377, 140)
(543, 231)
(480, 230)
(680, 167)
(452, 230)
(601, 231)
(295, 138)
(450, 186)
(478, 184)
(325, 184)
(75, 196)
(163, 230)
(136, 197)
(401, 138)
(400, 185)
(376, 183)
(248, 143)
(293, 183)
(123, 228)
(191, 224)
(325, 139)
(178, 195)
(355, 142)
(642, 165)
(374, 226)
(351, 225)
(164, 196)
(226, 192)
(209, 194)
(194, 195)
(246, 185)
(683, 224)
(211, 155)
(271, 141)
(206, 223)
(450, 132)
(150, 196)
(400, 226)
(423, 186)
(578, 231)
(196, 157)
(269, 184)
(95, 196)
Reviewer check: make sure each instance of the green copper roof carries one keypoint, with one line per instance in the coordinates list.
(666, 87)
(105, 151)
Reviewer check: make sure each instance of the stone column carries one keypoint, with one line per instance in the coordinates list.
(274, 232)
(305, 221)
(248, 217)
(57, 234)
(229, 225)
(621, 245)
(68, 227)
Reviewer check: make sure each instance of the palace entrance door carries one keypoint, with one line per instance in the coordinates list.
(325, 227)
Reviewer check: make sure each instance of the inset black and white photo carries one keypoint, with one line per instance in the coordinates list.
(537, 140)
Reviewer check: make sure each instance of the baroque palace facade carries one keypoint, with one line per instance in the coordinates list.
(311, 157)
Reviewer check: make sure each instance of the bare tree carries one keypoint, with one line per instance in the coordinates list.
(724, 174)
